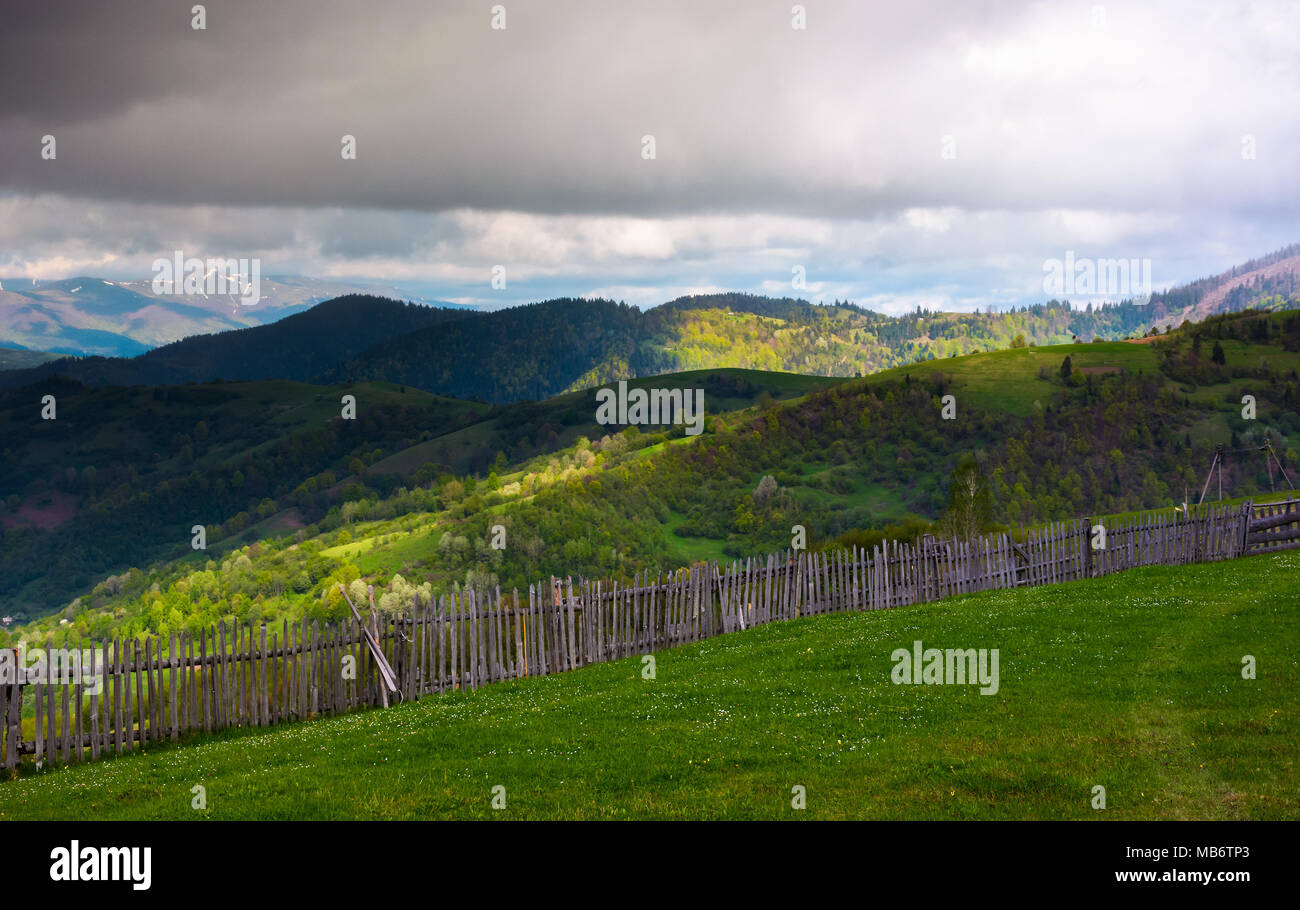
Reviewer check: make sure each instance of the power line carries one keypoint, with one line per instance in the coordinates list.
(1270, 458)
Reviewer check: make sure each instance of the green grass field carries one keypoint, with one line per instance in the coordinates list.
(1131, 682)
(1008, 380)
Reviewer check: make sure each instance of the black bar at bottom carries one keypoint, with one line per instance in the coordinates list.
(615, 861)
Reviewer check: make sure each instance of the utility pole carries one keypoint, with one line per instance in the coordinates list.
(1216, 463)
(1270, 453)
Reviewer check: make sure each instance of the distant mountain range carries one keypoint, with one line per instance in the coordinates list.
(93, 316)
(1269, 282)
(540, 350)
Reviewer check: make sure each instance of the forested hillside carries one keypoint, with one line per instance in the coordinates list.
(548, 348)
(1270, 282)
(297, 347)
(527, 352)
(121, 476)
(1044, 432)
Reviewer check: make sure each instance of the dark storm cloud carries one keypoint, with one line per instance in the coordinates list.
(1122, 134)
(844, 119)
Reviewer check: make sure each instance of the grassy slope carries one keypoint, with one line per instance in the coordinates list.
(1132, 682)
(1008, 380)
(406, 544)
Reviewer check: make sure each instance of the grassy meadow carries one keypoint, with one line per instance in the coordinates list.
(1132, 682)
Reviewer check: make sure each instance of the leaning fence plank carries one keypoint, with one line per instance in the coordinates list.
(376, 650)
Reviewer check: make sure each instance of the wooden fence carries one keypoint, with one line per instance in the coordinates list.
(240, 676)
(1274, 527)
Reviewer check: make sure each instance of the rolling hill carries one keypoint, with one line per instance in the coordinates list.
(1125, 427)
(558, 346)
(122, 474)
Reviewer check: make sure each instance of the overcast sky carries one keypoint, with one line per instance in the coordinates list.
(932, 153)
